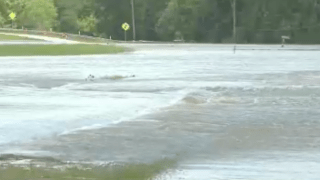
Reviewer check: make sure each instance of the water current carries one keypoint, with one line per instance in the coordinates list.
(252, 114)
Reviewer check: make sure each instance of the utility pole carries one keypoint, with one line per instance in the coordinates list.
(133, 21)
(234, 7)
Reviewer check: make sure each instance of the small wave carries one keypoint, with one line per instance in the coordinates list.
(107, 77)
(131, 90)
(116, 77)
(260, 91)
(85, 128)
(225, 100)
(27, 85)
(253, 95)
(194, 100)
(197, 96)
(66, 86)
(201, 96)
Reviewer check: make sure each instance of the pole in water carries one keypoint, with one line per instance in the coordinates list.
(125, 35)
(234, 8)
(284, 40)
(133, 21)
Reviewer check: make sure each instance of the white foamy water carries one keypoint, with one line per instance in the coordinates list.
(198, 97)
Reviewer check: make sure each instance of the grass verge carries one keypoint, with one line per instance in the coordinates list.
(13, 38)
(119, 172)
(56, 50)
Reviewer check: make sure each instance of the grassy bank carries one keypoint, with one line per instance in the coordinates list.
(13, 38)
(119, 172)
(56, 50)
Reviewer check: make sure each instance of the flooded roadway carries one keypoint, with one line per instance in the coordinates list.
(249, 115)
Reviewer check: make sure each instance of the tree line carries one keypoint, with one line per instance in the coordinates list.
(257, 21)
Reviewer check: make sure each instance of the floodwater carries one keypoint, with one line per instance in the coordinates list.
(249, 115)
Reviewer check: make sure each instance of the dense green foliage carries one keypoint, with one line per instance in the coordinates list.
(258, 21)
(72, 15)
(39, 13)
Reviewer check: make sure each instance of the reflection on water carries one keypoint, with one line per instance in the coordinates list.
(211, 107)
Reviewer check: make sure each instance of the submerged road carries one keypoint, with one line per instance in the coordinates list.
(249, 115)
(45, 40)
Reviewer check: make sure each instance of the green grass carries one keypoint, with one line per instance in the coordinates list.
(120, 172)
(10, 38)
(56, 50)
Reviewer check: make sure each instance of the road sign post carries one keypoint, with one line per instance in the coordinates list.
(284, 40)
(12, 17)
(125, 27)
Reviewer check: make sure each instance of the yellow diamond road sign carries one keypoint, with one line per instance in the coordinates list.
(125, 26)
(12, 16)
